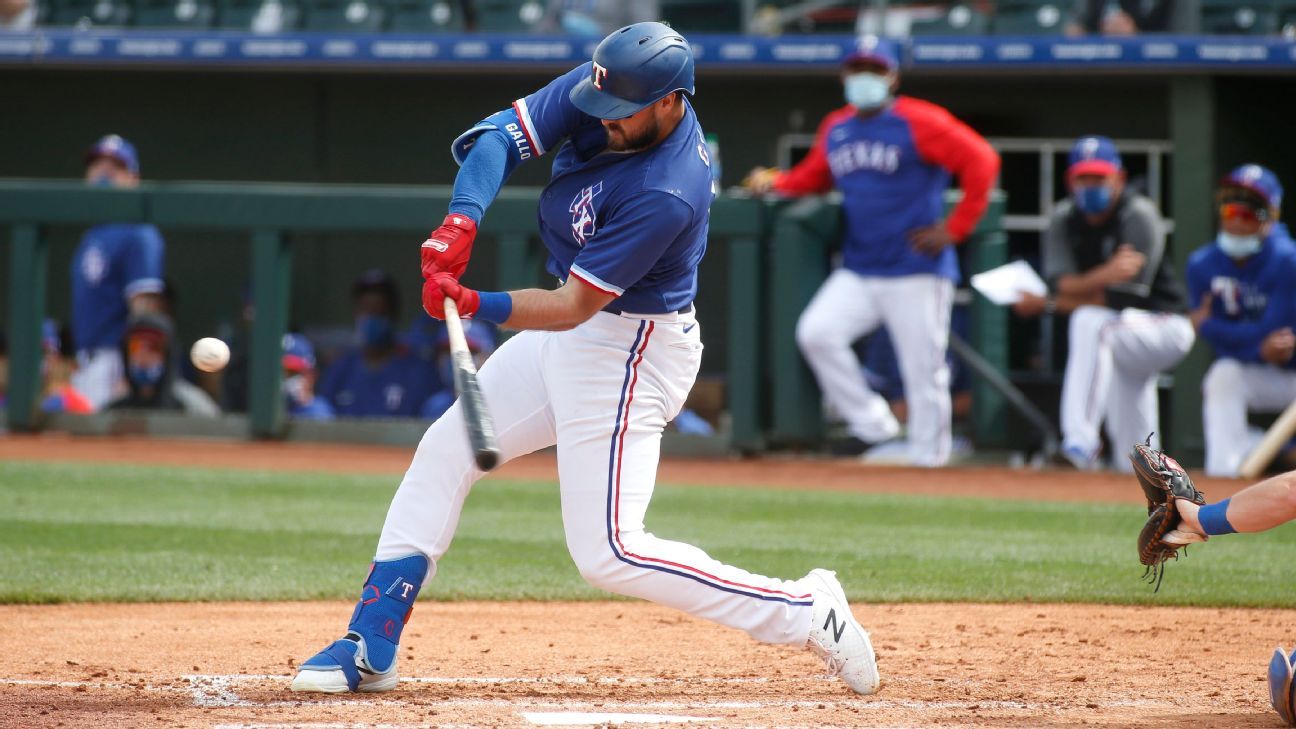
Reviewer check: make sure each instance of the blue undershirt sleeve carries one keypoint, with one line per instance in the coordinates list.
(487, 165)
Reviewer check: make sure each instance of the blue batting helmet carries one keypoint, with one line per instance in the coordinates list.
(632, 68)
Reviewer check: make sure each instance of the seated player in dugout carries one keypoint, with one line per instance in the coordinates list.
(1104, 256)
(299, 377)
(1242, 287)
(116, 273)
(892, 158)
(380, 377)
(151, 377)
(601, 363)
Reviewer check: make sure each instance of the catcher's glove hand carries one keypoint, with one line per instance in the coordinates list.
(1164, 482)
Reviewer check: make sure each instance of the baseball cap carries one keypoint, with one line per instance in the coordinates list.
(1094, 155)
(113, 146)
(298, 354)
(872, 49)
(1257, 179)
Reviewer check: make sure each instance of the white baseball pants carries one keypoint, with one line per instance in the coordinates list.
(1230, 390)
(1113, 362)
(100, 376)
(603, 392)
(916, 312)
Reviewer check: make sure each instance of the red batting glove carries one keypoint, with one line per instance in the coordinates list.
(442, 286)
(449, 247)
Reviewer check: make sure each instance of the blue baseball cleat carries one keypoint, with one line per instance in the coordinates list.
(365, 658)
(1282, 694)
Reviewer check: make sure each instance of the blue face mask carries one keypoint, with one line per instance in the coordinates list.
(867, 90)
(148, 376)
(1093, 200)
(101, 181)
(376, 332)
(1239, 246)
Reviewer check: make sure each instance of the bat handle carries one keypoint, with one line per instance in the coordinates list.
(454, 327)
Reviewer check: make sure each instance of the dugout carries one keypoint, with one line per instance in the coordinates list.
(350, 120)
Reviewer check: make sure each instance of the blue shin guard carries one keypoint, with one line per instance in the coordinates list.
(386, 601)
(365, 659)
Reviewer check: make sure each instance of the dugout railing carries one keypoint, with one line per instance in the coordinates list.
(765, 246)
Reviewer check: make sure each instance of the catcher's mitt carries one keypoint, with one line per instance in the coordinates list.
(1164, 482)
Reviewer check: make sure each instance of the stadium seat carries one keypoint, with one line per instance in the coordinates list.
(258, 16)
(343, 15)
(1238, 17)
(958, 20)
(1030, 18)
(423, 16)
(508, 16)
(173, 13)
(86, 13)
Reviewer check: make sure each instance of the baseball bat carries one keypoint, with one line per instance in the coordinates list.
(481, 429)
(1274, 439)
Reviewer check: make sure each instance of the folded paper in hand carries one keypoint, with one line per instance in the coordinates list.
(1006, 284)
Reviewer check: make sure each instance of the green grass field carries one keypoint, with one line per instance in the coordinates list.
(112, 533)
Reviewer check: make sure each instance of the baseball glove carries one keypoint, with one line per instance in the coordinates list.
(1164, 482)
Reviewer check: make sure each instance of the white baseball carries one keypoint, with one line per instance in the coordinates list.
(209, 354)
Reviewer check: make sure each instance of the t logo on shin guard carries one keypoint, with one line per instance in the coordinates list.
(406, 589)
(837, 628)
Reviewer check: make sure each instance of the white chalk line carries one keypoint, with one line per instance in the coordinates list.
(217, 690)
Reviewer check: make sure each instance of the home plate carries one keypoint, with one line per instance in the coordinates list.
(591, 718)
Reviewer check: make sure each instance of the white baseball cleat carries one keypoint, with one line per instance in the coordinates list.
(343, 667)
(837, 637)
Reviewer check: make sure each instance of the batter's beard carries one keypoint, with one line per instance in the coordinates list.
(643, 140)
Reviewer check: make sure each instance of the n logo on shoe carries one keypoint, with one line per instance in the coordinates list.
(837, 628)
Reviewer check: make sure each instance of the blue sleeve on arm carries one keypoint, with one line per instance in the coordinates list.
(145, 261)
(486, 167)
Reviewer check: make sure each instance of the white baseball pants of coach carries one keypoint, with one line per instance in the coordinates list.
(1230, 390)
(1113, 360)
(603, 392)
(916, 312)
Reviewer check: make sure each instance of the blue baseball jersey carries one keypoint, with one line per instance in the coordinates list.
(112, 263)
(396, 389)
(630, 224)
(892, 168)
(1249, 300)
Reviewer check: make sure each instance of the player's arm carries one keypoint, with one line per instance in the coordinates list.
(1143, 248)
(632, 240)
(487, 154)
(811, 175)
(945, 141)
(143, 264)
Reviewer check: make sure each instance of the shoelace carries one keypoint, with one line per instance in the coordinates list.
(830, 658)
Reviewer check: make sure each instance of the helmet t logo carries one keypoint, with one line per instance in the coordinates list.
(600, 73)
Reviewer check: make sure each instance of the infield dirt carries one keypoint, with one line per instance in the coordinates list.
(517, 664)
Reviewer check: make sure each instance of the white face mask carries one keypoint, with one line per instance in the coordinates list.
(867, 90)
(1238, 246)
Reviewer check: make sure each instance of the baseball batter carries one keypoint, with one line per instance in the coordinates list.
(604, 362)
(1241, 288)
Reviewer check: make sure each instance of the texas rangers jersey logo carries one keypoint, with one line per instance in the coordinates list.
(582, 212)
